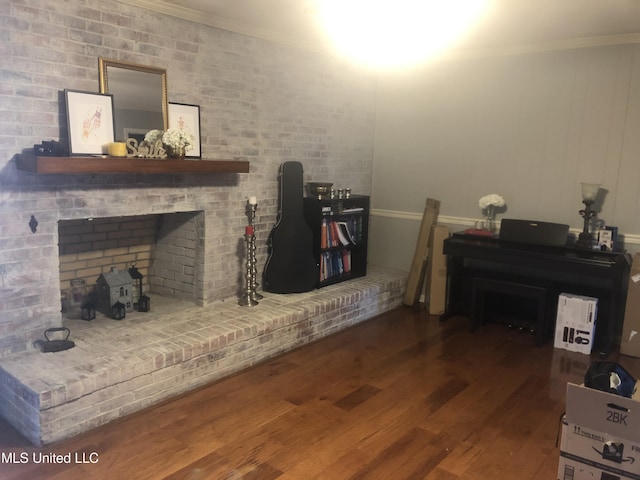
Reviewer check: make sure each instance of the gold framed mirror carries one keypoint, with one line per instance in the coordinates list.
(139, 97)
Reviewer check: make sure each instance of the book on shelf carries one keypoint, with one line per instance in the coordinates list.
(339, 233)
(335, 240)
(345, 234)
(323, 234)
(334, 263)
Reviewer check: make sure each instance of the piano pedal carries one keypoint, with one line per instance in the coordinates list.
(521, 329)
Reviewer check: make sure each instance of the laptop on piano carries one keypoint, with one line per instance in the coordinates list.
(530, 231)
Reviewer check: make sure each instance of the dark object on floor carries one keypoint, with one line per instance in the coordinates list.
(610, 377)
(57, 345)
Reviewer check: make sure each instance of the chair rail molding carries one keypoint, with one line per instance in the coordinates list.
(629, 238)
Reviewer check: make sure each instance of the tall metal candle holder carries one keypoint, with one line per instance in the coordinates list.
(250, 295)
(253, 205)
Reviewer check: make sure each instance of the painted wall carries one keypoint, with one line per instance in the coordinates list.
(529, 127)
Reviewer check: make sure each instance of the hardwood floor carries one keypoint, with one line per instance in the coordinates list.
(402, 396)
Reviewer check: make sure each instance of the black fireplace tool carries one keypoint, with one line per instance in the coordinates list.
(57, 345)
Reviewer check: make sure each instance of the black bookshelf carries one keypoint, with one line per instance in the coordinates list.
(340, 234)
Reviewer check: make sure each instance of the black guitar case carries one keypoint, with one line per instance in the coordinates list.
(291, 266)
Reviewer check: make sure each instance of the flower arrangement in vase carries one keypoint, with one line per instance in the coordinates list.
(176, 142)
(488, 204)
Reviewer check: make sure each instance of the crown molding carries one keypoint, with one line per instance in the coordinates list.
(161, 6)
(167, 8)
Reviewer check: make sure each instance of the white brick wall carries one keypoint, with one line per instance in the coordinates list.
(89, 248)
(259, 101)
(177, 255)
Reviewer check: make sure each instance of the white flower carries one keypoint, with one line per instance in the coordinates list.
(176, 138)
(153, 136)
(491, 200)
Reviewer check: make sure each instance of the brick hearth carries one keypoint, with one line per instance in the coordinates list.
(119, 367)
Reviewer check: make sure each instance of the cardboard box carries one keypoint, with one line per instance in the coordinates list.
(436, 285)
(575, 322)
(570, 468)
(630, 342)
(600, 436)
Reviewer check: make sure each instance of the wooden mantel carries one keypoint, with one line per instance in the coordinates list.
(110, 165)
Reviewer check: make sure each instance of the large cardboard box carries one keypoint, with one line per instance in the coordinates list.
(436, 285)
(630, 342)
(575, 322)
(600, 436)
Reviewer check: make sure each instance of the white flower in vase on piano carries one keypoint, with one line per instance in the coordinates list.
(489, 204)
(491, 200)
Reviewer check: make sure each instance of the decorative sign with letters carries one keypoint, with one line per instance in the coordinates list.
(144, 150)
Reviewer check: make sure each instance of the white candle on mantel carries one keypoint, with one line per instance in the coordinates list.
(253, 201)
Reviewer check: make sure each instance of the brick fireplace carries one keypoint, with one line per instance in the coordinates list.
(65, 227)
(187, 240)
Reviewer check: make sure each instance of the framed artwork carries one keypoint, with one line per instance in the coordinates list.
(89, 122)
(187, 117)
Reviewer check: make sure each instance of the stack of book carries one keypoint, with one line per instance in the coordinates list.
(337, 236)
(334, 262)
(340, 233)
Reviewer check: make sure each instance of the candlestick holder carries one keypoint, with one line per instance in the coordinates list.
(248, 297)
(255, 296)
(254, 262)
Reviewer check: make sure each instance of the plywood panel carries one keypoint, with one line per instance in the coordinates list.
(424, 243)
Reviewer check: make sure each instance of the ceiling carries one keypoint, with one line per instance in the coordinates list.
(508, 24)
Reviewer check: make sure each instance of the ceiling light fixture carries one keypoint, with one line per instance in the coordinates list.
(384, 33)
